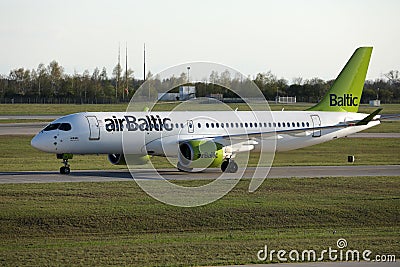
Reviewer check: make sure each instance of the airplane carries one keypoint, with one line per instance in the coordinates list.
(216, 136)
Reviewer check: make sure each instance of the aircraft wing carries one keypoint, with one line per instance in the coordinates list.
(269, 134)
(237, 138)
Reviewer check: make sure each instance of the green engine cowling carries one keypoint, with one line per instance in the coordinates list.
(201, 154)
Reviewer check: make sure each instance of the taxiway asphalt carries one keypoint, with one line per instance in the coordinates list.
(209, 174)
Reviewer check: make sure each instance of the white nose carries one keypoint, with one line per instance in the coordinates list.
(39, 142)
(35, 142)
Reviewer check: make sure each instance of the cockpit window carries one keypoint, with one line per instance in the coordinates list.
(60, 126)
(65, 127)
(51, 127)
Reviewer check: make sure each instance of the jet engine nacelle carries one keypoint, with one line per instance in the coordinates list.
(201, 154)
(120, 159)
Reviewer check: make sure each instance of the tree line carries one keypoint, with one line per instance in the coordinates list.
(51, 82)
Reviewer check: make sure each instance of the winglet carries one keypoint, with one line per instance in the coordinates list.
(368, 118)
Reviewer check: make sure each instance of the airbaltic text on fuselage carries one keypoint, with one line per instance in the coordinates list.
(132, 123)
(347, 100)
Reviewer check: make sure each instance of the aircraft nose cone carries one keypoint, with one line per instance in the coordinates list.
(35, 142)
(38, 142)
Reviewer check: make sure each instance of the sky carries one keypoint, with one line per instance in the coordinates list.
(291, 38)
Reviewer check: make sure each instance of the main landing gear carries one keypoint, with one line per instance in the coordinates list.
(65, 157)
(229, 166)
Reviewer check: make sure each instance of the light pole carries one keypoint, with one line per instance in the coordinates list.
(188, 79)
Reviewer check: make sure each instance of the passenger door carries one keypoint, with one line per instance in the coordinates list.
(94, 129)
(316, 121)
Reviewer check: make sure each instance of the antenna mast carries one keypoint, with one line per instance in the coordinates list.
(144, 61)
(118, 72)
(126, 72)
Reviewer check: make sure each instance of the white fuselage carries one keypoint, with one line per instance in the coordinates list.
(159, 133)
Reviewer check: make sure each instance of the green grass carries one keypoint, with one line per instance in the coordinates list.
(18, 155)
(116, 223)
(56, 109)
(385, 127)
(62, 109)
(373, 151)
(24, 121)
(387, 109)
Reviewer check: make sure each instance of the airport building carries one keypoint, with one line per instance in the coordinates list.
(185, 93)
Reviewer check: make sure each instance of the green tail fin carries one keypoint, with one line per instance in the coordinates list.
(345, 93)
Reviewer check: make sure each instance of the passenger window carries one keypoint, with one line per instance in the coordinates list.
(274, 124)
(251, 125)
(232, 125)
(199, 125)
(293, 125)
(246, 125)
(217, 125)
(279, 124)
(283, 124)
(51, 127)
(308, 124)
(298, 124)
(227, 125)
(237, 125)
(302, 124)
(241, 125)
(212, 125)
(65, 127)
(222, 125)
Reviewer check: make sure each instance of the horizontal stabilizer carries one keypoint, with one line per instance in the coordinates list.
(369, 118)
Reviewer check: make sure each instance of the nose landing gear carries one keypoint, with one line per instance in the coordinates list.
(65, 157)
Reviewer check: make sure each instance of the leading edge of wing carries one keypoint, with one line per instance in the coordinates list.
(267, 134)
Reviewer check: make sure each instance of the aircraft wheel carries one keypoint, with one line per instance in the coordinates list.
(224, 165)
(65, 170)
(232, 167)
